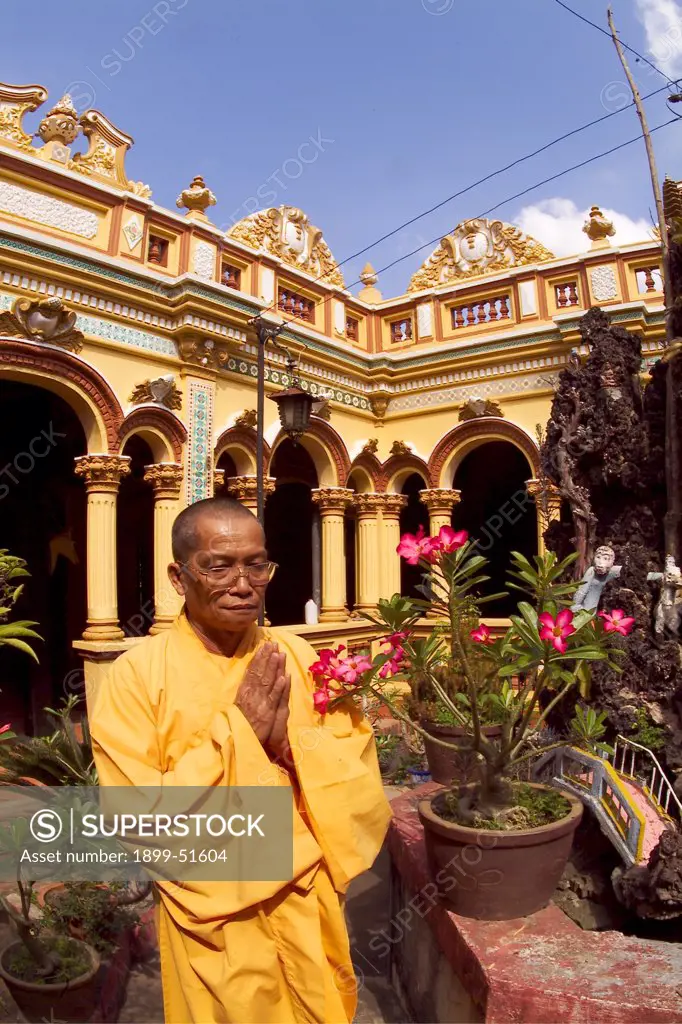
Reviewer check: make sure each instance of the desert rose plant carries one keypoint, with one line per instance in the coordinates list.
(515, 679)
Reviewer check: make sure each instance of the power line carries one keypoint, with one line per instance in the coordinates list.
(531, 188)
(599, 28)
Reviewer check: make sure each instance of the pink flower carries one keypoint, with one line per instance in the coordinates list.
(321, 700)
(395, 640)
(392, 666)
(481, 635)
(347, 670)
(411, 546)
(617, 621)
(5, 728)
(450, 540)
(556, 630)
(328, 661)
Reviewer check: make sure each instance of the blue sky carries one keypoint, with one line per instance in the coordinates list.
(407, 101)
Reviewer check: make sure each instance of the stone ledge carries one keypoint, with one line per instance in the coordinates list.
(542, 969)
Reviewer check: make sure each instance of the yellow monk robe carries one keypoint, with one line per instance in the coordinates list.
(242, 952)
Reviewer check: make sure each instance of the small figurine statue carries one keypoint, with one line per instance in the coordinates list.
(668, 607)
(602, 570)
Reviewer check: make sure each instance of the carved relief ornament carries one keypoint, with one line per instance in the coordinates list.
(286, 232)
(400, 448)
(162, 391)
(247, 419)
(245, 488)
(206, 352)
(477, 407)
(43, 320)
(478, 247)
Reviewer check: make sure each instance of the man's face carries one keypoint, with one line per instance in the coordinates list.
(603, 561)
(222, 540)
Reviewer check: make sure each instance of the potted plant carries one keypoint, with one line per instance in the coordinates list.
(61, 759)
(49, 976)
(497, 845)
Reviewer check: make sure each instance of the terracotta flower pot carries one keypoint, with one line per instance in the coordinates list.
(448, 766)
(497, 876)
(72, 1001)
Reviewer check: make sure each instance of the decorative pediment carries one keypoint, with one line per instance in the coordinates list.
(478, 247)
(162, 391)
(15, 101)
(43, 320)
(286, 232)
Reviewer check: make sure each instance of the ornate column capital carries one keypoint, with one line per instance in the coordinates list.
(245, 488)
(392, 504)
(368, 504)
(540, 489)
(102, 472)
(166, 480)
(333, 499)
(440, 500)
(218, 481)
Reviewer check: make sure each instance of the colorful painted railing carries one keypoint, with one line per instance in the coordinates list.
(642, 766)
(599, 785)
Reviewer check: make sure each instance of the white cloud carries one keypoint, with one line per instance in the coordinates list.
(662, 20)
(557, 223)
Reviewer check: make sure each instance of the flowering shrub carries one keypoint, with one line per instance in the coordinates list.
(518, 677)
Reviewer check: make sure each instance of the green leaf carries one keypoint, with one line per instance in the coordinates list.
(20, 645)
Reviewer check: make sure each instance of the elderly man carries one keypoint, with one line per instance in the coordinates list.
(216, 700)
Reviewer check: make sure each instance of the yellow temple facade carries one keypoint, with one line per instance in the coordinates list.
(128, 386)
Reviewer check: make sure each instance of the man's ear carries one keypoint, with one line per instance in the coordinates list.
(178, 578)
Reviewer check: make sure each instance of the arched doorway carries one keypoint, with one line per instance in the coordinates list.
(135, 542)
(43, 520)
(290, 519)
(412, 516)
(496, 511)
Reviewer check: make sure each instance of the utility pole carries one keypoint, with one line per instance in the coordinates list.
(672, 445)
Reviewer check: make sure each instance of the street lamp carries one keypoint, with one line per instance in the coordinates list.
(294, 403)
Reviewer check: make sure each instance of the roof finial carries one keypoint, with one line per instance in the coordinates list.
(196, 199)
(598, 228)
(369, 279)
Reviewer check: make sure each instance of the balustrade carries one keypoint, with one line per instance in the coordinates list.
(567, 294)
(480, 311)
(649, 279)
(296, 305)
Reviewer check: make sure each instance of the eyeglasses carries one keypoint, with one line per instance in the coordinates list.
(257, 574)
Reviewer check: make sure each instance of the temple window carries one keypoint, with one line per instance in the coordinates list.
(296, 305)
(480, 312)
(231, 276)
(157, 250)
(351, 328)
(566, 294)
(401, 330)
(649, 279)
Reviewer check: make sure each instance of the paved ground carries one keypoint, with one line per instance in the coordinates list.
(368, 911)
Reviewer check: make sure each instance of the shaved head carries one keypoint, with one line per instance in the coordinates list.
(185, 535)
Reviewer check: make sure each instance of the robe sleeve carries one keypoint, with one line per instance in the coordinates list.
(338, 771)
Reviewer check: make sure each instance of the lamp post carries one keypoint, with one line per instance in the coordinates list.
(295, 404)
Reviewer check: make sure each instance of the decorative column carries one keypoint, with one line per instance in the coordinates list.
(389, 538)
(367, 554)
(166, 481)
(547, 504)
(102, 475)
(440, 502)
(218, 482)
(332, 502)
(245, 489)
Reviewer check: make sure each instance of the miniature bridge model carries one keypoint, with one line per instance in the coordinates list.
(627, 791)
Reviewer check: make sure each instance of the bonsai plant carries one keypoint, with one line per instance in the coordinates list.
(50, 977)
(518, 678)
(60, 759)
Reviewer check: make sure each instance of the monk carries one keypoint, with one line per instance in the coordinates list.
(216, 700)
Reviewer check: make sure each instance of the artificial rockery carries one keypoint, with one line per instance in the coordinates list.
(605, 450)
